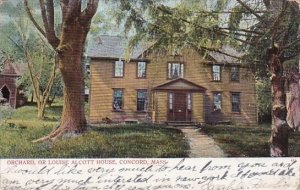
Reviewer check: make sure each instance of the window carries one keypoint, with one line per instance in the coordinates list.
(234, 73)
(141, 69)
(170, 101)
(118, 99)
(175, 70)
(235, 102)
(142, 100)
(119, 69)
(217, 98)
(189, 101)
(216, 72)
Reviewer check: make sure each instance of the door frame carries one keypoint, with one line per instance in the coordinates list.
(188, 112)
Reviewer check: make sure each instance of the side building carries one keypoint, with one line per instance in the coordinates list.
(167, 88)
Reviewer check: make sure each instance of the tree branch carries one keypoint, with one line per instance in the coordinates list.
(89, 11)
(28, 11)
(73, 9)
(64, 8)
(52, 38)
(252, 11)
(294, 43)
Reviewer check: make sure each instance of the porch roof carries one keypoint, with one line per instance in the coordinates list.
(180, 84)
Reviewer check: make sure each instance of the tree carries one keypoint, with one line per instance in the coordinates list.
(265, 30)
(68, 43)
(22, 43)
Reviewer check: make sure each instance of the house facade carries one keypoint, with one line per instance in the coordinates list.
(166, 88)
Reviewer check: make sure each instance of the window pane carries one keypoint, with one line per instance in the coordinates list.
(175, 70)
(217, 97)
(169, 70)
(142, 101)
(141, 69)
(118, 99)
(235, 102)
(216, 69)
(234, 73)
(216, 72)
(189, 100)
(119, 68)
(181, 71)
(170, 101)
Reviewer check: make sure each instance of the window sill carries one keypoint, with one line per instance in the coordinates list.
(235, 81)
(141, 78)
(141, 112)
(117, 77)
(236, 113)
(217, 112)
(215, 81)
(117, 110)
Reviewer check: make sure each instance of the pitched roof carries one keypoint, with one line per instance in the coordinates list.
(105, 46)
(13, 69)
(180, 84)
(221, 58)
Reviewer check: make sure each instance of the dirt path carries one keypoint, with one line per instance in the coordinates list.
(201, 145)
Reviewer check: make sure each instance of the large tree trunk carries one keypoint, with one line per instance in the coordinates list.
(73, 118)
(280, 130)
(70, 51)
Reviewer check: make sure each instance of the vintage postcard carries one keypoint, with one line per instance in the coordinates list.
(150, 94)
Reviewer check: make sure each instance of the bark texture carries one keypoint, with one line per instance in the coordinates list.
(69, 46)
(293, 101)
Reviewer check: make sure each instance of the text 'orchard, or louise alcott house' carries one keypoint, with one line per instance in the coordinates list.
(164, 88)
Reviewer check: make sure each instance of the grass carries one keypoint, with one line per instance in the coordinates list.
(248, 141)
(135, 141)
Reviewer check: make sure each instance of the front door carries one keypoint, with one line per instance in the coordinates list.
(178, 106)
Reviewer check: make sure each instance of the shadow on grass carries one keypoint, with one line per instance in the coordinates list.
(100, 142)
(248, 141)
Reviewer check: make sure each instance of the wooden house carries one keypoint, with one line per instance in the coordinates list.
(10, 93)
(167, 88)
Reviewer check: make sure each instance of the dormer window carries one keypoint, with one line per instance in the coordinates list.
(175, 70)
(119, 69)
(216, 72)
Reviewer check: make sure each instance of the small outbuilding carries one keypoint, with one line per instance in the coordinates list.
(10, 93)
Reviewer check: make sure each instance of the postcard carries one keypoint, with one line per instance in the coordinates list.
(149, 95)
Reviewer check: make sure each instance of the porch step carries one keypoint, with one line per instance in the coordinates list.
(181, 123)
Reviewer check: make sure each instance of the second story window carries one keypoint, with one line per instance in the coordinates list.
(216, 72)
(118, 100)
(217, 98)
(141, 69)
(119, 69)
(175, 70)
(234, 73)
(142, 100)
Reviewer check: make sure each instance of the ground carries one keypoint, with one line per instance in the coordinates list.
(239, 141)
(135, 141)
(18, 128)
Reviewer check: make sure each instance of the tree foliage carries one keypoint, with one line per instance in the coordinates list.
(22, 43)
(265, 30)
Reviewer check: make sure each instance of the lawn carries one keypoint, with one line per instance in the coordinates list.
(135, 141)
(248, 141)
